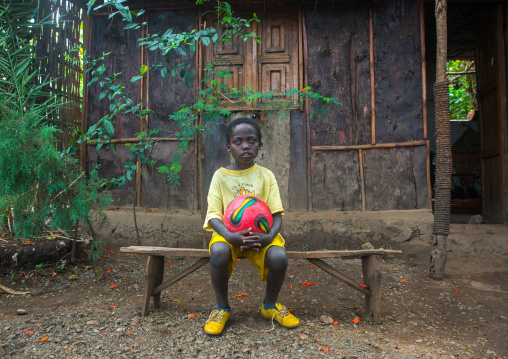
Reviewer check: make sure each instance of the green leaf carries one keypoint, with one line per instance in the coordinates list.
(143, 69)
(109, 127)
(181, 50)
(188, 79)
(146, 112)
(103, 94)
(136, 78)
(205, 41)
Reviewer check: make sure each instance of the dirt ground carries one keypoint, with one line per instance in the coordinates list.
(465, 315)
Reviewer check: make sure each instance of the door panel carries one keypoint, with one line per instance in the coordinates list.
(490, 64)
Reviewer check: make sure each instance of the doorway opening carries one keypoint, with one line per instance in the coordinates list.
(464, 21)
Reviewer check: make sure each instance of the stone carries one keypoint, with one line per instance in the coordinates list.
(367, 245)
(21, 312)
(326, 319)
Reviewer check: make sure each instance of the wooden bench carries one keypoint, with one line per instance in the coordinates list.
(371, 286)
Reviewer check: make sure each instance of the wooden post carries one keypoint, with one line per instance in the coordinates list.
(372, 278)
(443, 150)
(154, 273)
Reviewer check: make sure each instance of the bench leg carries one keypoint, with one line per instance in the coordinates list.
(154, 273)
(372, 278)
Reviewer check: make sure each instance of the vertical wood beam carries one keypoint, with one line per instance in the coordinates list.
(424, 69)
(362, 177)
(154, 273)
(307, 110)
(372, 278)
(372, 78)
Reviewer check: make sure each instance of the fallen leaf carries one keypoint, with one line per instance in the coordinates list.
(240, 295)
(43, 339)
(312, 266)
(356, 320)
(28, 332)
(102, 331)
(169, 262)
(458, 292)
(325, 349)
(402, 281)
(363, 285)
(291, 286)
(335, 323)
(111, 252)
(113, 306)
(291, 310)
(113, 286)
(334, 215)
(313, 283)
(193, 315)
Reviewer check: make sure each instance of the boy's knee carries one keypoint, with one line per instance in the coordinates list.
(220, 252)
(276, 258)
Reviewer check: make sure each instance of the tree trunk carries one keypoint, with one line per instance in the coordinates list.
(442, 188)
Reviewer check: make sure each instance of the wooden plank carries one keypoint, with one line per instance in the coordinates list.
(336, 182)
(167, 95)
(154, 272)
(330, 270)
(109, 34)
(372, 278)
(201, 262)
(156, 191)
(329, 36)
(369, 147)
(112, 166)
(398, 71)
(298, 162)
(215, 153)
(196, 252)
(390, 182)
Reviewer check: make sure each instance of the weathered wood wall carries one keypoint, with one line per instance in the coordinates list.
(369, 154)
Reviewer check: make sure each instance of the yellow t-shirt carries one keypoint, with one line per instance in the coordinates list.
(226, 185)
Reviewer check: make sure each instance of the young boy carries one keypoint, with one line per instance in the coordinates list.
(265, 251)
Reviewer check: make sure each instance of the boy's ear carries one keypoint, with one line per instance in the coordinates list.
(227, 148)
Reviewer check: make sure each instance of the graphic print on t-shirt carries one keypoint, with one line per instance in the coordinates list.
(243, 192)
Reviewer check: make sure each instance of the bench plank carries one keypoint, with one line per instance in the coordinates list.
(195, 252)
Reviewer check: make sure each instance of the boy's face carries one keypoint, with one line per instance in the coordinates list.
(244, 146)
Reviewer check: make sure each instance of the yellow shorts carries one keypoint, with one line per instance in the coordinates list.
(256, 258)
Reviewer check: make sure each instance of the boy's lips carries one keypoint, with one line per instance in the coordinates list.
(246, 154)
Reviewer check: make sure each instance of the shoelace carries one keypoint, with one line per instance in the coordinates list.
(216, 316)
(283, 312)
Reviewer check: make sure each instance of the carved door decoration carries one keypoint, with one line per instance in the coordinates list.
(271, 65)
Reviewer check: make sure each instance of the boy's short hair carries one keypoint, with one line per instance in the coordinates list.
(240, 120)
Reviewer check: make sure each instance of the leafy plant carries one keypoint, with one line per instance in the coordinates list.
(462, 88)
(39, 185)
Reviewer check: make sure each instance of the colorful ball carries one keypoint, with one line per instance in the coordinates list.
(246, 212)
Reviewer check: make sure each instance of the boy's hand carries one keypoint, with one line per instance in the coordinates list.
(246, 240)
(261, 240)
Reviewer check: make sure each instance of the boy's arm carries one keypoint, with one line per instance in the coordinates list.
(243, 239)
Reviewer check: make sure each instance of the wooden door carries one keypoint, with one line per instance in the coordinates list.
(490, 62)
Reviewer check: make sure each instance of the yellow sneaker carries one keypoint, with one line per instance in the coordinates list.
(216, 321)
(281, 315)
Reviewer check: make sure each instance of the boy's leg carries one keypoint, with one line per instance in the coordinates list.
(276, 260)
(220, 254)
